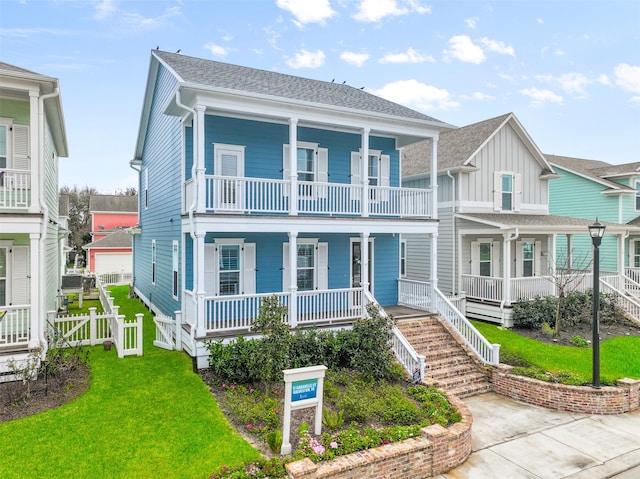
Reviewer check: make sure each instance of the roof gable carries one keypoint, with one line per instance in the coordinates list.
(591, 170)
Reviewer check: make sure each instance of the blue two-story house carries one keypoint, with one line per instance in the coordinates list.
(255, 183)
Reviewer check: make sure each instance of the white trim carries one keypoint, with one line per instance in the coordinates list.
(154, 261)
(175, 269)
(371, 250)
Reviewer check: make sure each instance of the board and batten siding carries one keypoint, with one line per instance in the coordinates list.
(504, 152)
(162, 159)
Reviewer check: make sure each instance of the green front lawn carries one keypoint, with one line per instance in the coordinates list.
(148, 416)
(619, 357)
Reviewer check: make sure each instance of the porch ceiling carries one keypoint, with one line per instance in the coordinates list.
(542, 223)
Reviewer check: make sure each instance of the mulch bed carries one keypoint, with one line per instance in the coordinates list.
(19, 399)
(584, 330)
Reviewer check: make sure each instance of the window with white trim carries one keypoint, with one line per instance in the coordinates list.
(507, 191)
(5, 143)
(636, 254)
(153, 261)
(145, 187)
(229, 161)
(311, 167)
(175, 262)
(229, 269)
(403, 259)
(4, 268)
(638, 195)
(527, 258)
(306, 267)
(311, 265)
(485, 259)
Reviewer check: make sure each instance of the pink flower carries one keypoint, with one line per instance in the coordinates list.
(251, 390)
(333, 445)
(249, 426)
(232, 386)
(319, 449)
(224, 385)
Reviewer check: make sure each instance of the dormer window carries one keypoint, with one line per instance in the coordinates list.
(638, 195)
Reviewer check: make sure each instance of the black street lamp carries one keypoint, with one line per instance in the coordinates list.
(596, 230)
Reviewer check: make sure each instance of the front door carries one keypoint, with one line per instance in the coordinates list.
(229, 162)
(356, 261)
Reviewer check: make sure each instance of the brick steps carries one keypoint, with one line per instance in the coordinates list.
(448, 365)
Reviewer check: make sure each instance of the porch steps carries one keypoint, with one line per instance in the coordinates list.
(448, 365)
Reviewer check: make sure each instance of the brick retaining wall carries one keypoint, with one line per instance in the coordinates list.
(623, 398)
(434, 452)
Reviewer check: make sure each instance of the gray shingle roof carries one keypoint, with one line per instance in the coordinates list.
(594, 169)
(117, 239)
(13, 68)
(455, 147)
(540, 223)
(113, 203)
(215, 74)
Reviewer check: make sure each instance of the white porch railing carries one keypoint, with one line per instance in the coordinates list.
(412, 362)
(15, 325)
(616, 285)
(232, 194)
(15, 189)
(230, 313)
(414, 294)
(483, 287)
(487, 352)
(329, 305)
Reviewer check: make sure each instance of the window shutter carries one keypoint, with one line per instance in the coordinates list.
(475, 258)
(285, 267)
(497, 191)
(210, 270)
(20, 275)
(249, 276)
(21, 153)
(519, 259)
(385, 170)
(496, 263)
(537, 258)
(355, 168)
(323, 266)
(323, 171)
(517, 191)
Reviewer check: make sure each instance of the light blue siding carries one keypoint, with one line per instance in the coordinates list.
(161, 220)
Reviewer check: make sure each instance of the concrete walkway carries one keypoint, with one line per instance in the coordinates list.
(518, 441)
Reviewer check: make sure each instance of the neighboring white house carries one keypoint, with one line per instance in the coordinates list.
(32, 138)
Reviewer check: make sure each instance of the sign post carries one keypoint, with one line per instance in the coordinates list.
(303, 388)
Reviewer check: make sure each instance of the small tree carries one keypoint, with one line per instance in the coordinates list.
(276, 339)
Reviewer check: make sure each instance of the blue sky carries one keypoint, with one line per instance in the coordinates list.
(569, 70)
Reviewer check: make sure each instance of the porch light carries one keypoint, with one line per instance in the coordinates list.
(596, 230)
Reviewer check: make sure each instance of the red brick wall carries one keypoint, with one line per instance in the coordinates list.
(436, 451)
(581, 399)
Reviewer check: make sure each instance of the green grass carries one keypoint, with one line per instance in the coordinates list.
(619, 357)
(143, 417)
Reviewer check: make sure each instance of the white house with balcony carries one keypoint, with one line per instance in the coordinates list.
(255, 183)
(32, 138)
(497, 242)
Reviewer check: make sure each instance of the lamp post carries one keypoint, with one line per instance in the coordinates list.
(596, 230)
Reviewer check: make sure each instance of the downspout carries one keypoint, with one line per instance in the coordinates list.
(192, 207)
(453, 232)
(514, 236)
(43, 204)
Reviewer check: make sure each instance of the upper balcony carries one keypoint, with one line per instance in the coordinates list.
(15, 190)
(242, 195)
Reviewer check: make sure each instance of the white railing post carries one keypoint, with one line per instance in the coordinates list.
(92, 326)
(178, 315)
(121, 342)
(139, 335)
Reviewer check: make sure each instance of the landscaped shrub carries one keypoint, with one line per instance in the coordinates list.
(531, 314)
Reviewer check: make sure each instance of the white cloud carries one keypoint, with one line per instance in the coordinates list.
(306, 59)
(375, 10)
(628, 77)
(540, 97)
(540, 20)
(356, 59)
(411, 56)
(471, 23)
(418, 95)
(463, 49)
(604, 80)
(216, 50)
(498, 46)
(305, 11)
(104, 9)
(152, 22)
(479, 96)
(572, 83)
(28, 32)
(272, 37)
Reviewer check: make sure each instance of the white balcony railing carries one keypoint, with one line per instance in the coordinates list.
(228, 194)
(15, 189)
(15, 325)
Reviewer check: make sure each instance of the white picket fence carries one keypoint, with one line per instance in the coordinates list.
(92, 329)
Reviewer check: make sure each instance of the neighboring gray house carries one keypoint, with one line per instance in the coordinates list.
(496, 240)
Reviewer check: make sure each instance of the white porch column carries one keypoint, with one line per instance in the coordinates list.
(553, 255)
(621, 254)
(198, 274)
(198, 154)
(434, 270)
(434, 178)
(364, 172)
(293, 166)
(35, 168)
(293, 278)
(364, 269)
(37, 296)
(506, 268)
